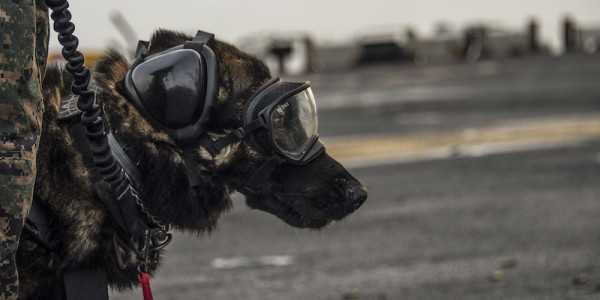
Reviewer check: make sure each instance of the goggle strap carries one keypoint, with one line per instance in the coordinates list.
(254, 184)
(213, 147)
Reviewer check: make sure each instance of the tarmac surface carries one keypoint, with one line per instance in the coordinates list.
(483, 183)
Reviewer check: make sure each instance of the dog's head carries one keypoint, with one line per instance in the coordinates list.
(306, 194)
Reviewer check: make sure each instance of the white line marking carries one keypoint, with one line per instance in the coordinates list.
(243, 261)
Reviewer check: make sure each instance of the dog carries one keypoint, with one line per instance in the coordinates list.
(310, 195)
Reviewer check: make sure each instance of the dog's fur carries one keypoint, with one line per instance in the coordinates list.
(308, 196)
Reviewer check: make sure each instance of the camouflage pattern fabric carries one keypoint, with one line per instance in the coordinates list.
(24, 39)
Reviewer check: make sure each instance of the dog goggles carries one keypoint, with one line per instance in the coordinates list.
(288, 113)
(280, 121)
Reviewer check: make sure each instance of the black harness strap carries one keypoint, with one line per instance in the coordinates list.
(39, 225)
(103, 191)
(123, 160)
(89, 284)
(261, 174)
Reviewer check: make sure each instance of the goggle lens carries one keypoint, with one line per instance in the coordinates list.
(294, 124)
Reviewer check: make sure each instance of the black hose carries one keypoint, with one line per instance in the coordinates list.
(91, 119)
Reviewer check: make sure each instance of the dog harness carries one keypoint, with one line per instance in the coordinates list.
(40, 220)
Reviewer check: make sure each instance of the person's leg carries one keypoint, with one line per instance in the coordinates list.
(20, 126)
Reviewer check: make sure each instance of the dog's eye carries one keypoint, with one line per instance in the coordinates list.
(278, 117)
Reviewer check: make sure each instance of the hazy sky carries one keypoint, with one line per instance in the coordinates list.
(329, 21)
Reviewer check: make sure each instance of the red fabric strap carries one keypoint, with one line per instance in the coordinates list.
(145, 281)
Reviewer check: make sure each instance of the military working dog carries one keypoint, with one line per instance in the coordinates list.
(305, 196)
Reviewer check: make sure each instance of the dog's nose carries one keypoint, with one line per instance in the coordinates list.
(357, 195)
(353, 192)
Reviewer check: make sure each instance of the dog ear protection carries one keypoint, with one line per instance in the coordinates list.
(173, 89)
(172, 86)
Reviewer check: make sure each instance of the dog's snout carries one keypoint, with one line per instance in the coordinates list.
(357, 195)
(352, 191)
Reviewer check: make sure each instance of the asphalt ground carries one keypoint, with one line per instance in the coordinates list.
(483, 183)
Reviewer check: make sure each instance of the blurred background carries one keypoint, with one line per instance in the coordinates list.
(475, 126)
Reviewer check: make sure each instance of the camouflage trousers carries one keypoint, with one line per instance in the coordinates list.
(24, 38)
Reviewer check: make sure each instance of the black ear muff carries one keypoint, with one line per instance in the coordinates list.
(173, 86)
(174, 89)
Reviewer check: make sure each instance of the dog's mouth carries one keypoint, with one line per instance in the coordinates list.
(293, 210)
(302, 210)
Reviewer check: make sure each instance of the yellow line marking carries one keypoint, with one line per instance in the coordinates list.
(529, 133)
